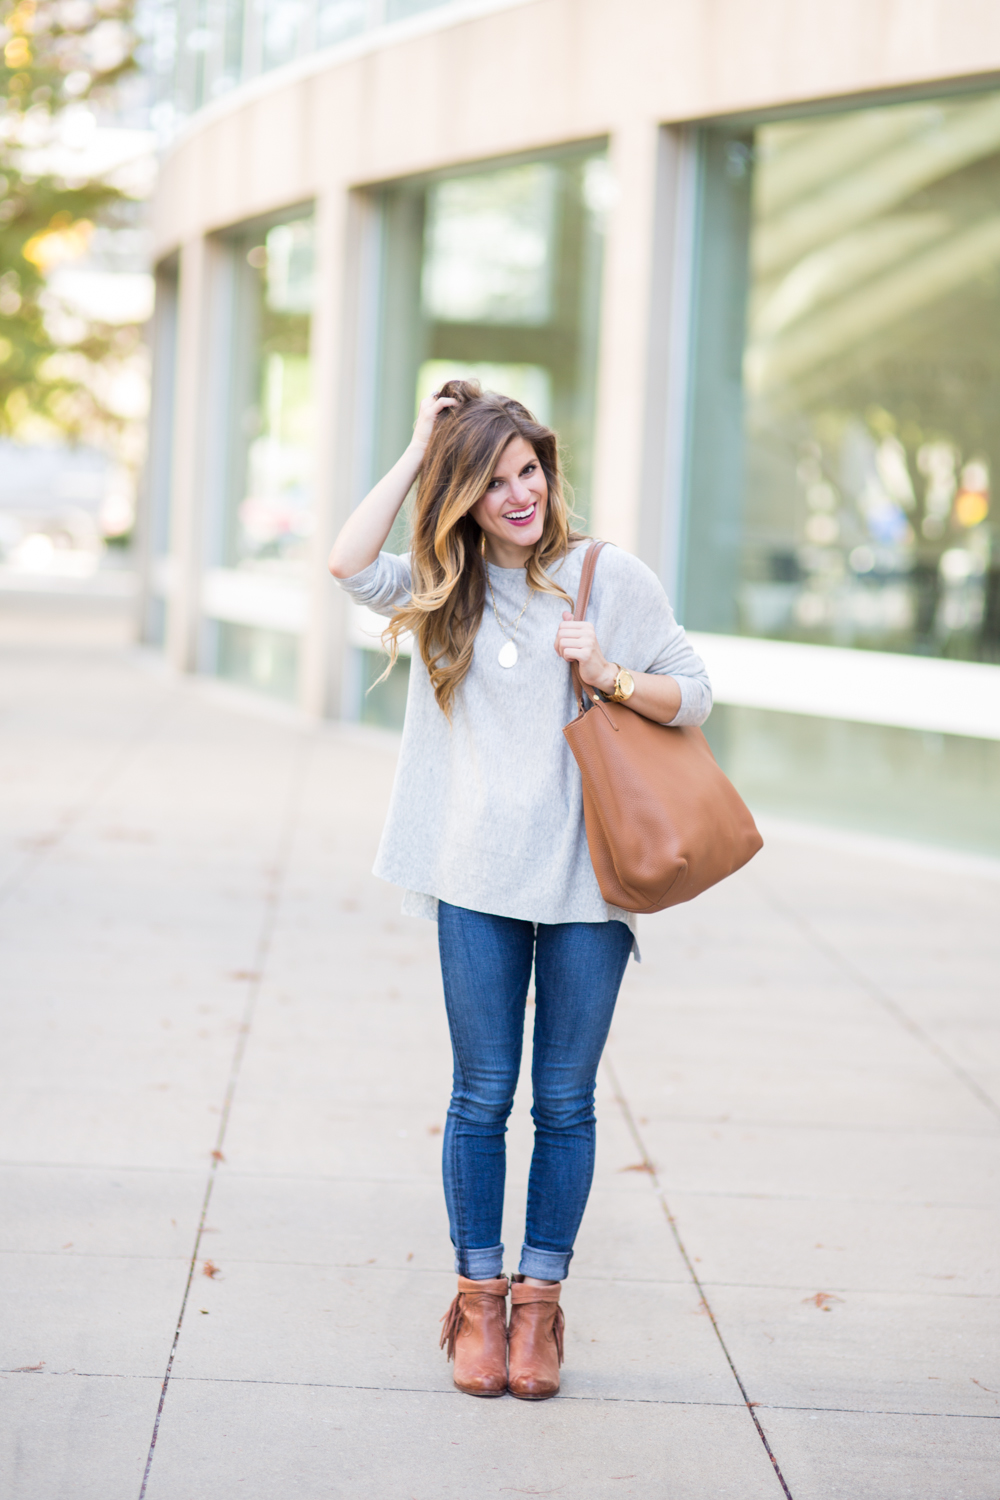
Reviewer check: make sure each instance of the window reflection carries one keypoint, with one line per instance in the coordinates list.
(495, 275)
(271, 500)
(198, 49)
(870, 297)
(337, 19)
(488, 248)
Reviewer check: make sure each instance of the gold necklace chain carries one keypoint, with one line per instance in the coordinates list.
(520, 617)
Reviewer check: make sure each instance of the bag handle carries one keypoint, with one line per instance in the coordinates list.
(587, 580)
(579, 613)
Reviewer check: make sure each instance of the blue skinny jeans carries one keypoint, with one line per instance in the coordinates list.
(486, 965)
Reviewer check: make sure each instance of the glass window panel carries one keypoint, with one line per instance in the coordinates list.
(489, 246)
(935, 788)
(283, 27)
(383, 704)
(398, 10)
(264, 660)
(199, 49)
(338, 19)
(233, 23)
(529, 384)
(495, 275)
(270, 470)
(844, 433)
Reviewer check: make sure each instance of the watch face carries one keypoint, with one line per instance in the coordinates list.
(625, 684)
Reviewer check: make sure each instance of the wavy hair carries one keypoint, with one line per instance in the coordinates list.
(446, 550)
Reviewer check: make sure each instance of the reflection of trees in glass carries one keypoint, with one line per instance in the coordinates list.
(872, 380)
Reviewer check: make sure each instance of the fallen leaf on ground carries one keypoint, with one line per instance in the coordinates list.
(217, 1156)
(29, 1369)
(981, 1386)
(210, 1269)
(823, 1300)
(638, 1166)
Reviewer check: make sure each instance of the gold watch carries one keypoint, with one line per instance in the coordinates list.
(624, 686)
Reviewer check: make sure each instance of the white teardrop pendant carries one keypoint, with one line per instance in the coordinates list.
(507, 656)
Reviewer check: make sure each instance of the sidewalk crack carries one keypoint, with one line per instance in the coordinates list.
(647, 1162)
(255, 975)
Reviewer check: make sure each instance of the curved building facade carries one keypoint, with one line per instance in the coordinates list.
(745, 258)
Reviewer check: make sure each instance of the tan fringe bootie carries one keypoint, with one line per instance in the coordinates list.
(475, 1331)
(535, 1340)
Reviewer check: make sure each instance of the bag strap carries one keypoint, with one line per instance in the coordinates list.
(579, 613)
(587, 580)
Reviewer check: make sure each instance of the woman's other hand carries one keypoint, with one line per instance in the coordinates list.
(654, 696)
(576, 640)
(427, 414)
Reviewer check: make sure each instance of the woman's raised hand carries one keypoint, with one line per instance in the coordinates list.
(367, 527)
(576, 640)
(427, 414)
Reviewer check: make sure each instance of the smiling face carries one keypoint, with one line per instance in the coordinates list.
(512, 512)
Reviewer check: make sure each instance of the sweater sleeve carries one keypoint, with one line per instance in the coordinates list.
(679, 660)
(642, 633)
(383, 587)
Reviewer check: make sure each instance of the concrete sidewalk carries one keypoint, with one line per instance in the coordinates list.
(225, 1071)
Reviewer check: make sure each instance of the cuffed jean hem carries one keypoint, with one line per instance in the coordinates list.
(544, 1265)
(480, 1265)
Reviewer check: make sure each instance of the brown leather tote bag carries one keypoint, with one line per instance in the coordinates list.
(663, 822)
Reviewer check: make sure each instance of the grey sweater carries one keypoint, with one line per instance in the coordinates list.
(487, 812)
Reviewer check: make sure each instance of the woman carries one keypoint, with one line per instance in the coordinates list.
(485, 829)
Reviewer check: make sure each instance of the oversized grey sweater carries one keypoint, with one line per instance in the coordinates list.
(487, 812)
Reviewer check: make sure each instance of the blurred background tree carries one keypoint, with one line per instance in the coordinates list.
(56, 366)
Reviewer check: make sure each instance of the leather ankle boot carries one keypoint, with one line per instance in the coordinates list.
(475, 1330)
(536, 1341)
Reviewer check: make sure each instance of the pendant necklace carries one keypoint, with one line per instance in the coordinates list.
(507, 655)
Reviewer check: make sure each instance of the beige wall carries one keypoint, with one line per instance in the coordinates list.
(546, 71)
(520, 77)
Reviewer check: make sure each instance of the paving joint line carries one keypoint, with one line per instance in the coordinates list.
(661, 1198)
(269, 916)
(579, 1277)
(430, 1390)
(879, 995)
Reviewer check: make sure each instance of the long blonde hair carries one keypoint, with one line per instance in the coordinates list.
(447, 566)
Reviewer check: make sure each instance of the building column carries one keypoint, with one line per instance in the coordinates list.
(340, 356)
(625, 331)
(187, 490)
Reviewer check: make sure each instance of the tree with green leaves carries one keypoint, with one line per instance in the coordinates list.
(56, 53)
